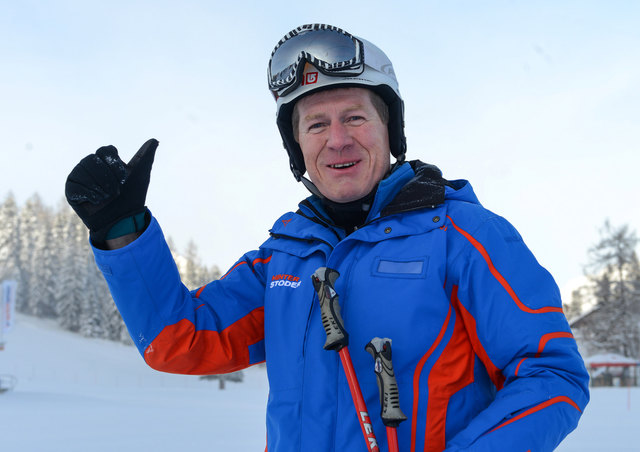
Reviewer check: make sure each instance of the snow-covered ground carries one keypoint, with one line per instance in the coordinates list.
(77, 394)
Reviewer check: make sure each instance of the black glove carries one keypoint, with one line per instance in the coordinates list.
(103, 190)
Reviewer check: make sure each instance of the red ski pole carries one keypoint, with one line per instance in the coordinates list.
(390, 411)
(337, 339)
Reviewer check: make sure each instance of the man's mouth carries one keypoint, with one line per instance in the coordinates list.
(342, 165)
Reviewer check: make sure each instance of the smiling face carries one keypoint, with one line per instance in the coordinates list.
(344, 142)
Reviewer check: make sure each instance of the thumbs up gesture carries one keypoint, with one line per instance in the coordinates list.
(103, 190)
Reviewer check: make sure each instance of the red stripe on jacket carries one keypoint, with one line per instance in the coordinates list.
(416, 379)
(496, 274)
(537, 408)
(451, 372)
(253, 263)
(180, 348)
(543, 342)
(470, 323)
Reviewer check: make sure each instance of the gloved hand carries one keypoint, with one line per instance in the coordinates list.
(103, 190)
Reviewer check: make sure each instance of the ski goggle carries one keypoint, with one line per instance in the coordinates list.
(332, 50)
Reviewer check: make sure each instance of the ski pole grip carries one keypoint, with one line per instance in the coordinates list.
(324, 280)
(390, 412)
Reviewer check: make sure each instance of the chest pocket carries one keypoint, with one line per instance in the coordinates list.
(413, 268)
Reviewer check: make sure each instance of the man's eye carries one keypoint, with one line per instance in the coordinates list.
(355, 119)
(316, 126)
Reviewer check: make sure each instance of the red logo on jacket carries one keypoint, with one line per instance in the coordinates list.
(284, 280)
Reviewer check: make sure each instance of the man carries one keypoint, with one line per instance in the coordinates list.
(483, 355)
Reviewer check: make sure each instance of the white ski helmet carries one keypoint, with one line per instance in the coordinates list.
(314, 57)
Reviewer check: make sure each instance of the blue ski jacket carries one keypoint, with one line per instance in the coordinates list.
(483, 355)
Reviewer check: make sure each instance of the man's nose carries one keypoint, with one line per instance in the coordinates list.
(339, 136)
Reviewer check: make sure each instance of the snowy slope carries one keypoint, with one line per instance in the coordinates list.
(77, 394)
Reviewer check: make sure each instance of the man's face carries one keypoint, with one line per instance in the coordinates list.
(344, 142)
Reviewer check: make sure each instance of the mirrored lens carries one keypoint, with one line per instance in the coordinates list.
(325, 45)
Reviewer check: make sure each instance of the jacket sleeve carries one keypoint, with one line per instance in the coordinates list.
(512, 311)
(215, 329)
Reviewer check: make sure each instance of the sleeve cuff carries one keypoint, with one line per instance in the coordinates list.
(129, 225)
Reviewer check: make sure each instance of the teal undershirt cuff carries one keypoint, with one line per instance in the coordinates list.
(127, 225)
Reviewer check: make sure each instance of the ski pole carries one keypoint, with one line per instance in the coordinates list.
(390, 411)
(337, 339)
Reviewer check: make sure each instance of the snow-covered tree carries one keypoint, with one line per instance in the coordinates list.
(192, 273)
(9, 239)
(48, 253)
(614, 273)
(115, 328)
(93, 317)
(33, 224)
(71, 280)
(212, 273)
(574, 308)
(59, 244)
(44, 265)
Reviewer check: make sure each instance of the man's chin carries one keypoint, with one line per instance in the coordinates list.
(343, 198)
(343, 191)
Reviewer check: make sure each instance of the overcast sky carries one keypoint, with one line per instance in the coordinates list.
(536, 103)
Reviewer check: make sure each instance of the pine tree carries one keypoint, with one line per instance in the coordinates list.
(59, 244)
(614, 272)
(43, 267)
(9, 239)
(212, 273)
(115, 327)
(71, 281)
(32, 224)
(93, 318)
(48, 253)
(191, 273)
(574, 308)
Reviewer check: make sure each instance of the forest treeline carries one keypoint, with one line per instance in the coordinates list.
(46, 250)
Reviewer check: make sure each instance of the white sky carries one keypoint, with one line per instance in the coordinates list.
(536, 103)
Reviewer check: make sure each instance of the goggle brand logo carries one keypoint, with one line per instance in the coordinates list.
(310, 78)
(285, 281)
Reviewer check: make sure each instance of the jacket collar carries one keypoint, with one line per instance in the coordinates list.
(426, 189)
(411, 186)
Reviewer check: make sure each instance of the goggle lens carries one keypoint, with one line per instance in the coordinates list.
(332, 51)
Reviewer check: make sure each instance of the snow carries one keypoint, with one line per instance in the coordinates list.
(610, 422)
(78, 394)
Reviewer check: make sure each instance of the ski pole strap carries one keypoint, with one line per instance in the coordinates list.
(324, 280)
(391, 413)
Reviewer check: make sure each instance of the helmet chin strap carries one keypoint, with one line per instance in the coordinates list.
(312, 187)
